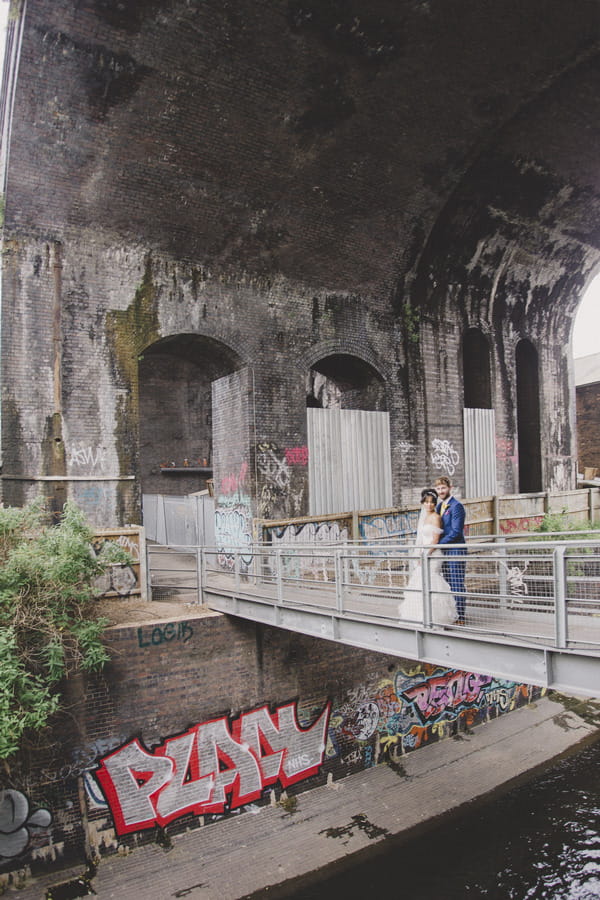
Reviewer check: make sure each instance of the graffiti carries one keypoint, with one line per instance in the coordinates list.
(118, 579)
(405, 446)
(130, 544)
(444, 456)
(231, 484)
(365, 721)
(331, 532)
(86, 456)
(274, 470)
(499, 697)
(16, 822)
(353, 758)
(392, 716)
(317, 565)
(268, 498)
(388, 527)
(516, 526)
(232, 534)
(447, 695)
(296, 456)
(214, 766)
(164, 634)
(505, 450)
(91, 495)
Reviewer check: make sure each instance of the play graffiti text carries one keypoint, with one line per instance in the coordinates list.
(214, 766)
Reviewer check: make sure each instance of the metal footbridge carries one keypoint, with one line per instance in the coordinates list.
(532, 607)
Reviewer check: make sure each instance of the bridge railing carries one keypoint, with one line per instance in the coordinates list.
(541, 591)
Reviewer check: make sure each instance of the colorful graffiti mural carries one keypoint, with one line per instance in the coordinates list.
(221, 765)
(398, 714)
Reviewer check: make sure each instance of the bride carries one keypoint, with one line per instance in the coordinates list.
(442, 601)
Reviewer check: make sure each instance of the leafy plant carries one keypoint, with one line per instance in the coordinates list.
(410, 318)
(48, 629)
(560, 523)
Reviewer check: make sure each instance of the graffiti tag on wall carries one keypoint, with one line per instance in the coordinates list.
(212, 767)
(376, 528)
(17, 822)
(121, 579)
(444, 456)
(232, 533)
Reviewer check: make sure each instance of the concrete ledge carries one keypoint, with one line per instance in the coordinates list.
(252, 852)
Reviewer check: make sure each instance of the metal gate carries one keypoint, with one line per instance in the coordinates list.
(349, 460)
(480, 452)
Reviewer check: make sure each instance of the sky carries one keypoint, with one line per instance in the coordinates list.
(586, 331)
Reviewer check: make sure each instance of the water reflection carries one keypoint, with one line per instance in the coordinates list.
(540, 841)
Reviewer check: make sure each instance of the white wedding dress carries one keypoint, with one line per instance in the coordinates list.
(442, 602)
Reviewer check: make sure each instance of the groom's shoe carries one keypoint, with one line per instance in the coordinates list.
(459, 621)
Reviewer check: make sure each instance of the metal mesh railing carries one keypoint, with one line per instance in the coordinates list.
(542, 591)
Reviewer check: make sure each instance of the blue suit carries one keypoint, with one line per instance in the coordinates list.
(453, 569)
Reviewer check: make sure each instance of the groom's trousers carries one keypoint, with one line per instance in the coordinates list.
(453, 570)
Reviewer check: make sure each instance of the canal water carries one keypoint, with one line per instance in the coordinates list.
(538, 841)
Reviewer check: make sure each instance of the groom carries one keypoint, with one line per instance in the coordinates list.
(453, 522)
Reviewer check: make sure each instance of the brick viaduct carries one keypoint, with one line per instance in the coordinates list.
(396, 200)
(218, 214)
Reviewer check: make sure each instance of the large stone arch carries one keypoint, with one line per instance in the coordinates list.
(514, 248)
(175, 415)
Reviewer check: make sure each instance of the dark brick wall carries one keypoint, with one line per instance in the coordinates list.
(588, 425)
(165, 678)
(284, 184)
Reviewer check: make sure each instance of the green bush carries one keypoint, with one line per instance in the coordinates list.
(48, 630)
(561, 523)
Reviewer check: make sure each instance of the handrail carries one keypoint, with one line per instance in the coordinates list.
(533, 607)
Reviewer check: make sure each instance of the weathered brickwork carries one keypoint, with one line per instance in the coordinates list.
(173, 688)
(193, 189)
(588, 426)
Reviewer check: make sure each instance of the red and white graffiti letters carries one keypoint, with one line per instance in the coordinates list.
(198, 770)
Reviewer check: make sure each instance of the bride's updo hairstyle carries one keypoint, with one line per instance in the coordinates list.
(429, 492)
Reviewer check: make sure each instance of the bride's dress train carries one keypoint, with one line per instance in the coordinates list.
(442, 602)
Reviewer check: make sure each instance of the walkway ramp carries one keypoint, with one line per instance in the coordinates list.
(533, 608)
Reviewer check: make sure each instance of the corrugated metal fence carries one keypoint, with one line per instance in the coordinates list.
(480, 452)
(349, 460)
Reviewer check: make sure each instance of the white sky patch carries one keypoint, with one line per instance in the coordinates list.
(586, 332)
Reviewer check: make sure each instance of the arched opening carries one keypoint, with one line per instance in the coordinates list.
(528, 418)
(586, 353)
(349, 454)
(477, 383)
(341, 381)
(479, 422)
(175, 409)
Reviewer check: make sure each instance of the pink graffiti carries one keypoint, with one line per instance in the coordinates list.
(451, 692)
(515, 526)
(232, 483)
(296, 456)
(505, 449)
(210, 767)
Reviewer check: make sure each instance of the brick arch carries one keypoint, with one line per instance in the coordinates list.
(175, 377)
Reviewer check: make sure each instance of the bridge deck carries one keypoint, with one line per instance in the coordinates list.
(533, 610)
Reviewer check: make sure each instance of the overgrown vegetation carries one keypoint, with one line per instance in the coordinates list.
(561, 523)
(411, 322)
(48, 630)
